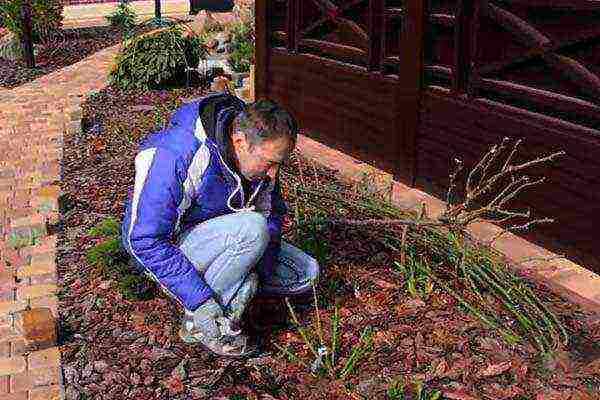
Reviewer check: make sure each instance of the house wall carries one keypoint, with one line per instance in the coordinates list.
(445, 80)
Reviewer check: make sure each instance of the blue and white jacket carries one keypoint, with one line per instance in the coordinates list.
(182, 178)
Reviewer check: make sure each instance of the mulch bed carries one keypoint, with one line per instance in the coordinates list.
(67, 47)
(113, 348)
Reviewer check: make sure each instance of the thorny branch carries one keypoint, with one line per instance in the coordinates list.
(458, 216)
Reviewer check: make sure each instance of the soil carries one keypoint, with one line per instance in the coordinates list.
(65, 48)
(113, 348)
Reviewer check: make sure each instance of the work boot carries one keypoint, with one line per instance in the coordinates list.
(208, 327)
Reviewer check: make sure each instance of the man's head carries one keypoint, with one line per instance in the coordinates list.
(263, 137)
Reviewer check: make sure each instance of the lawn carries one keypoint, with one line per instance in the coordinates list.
(390, 324)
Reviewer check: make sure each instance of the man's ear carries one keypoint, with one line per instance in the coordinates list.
(239, 141)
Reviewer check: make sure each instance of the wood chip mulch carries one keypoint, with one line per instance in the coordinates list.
(113, 348)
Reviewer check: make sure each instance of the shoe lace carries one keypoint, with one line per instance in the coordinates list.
(227, 327)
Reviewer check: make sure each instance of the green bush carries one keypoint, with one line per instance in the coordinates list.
(157, 58)
(115, 265)
(242, 47)
(123, 18)
(108, 228)
(46, 18)
(109, 255)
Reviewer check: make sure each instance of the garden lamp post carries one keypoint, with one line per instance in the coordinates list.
(157, 10)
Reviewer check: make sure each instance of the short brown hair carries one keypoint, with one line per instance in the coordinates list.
(265, 120)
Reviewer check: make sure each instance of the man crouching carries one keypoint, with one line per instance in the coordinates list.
(205, 214)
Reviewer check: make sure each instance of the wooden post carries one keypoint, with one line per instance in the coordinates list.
(411, 86)
(261, 47)
(26, 37)
(293, 22)
(377, 22)
(464, 39)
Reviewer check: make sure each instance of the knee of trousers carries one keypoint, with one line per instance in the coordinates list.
(254, 229)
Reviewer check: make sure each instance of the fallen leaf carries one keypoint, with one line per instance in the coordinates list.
(458, 395)
(520, 369)
(174, 384)
(384, 284)
(495, 369)
(550, 395)
(497, 391)
(438, 368)
(593, 368)
(98, 145)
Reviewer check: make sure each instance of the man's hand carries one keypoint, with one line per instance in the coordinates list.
(204, 317)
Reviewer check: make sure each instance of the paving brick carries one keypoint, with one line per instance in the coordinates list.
(12, 365)
(7, 293)
(8, 333)
(44, 205)
(22, 395)
(46, 393)
(4, 385)
(44, 358)
(4, 351)
(13, 258)
(7, 278)
(47, 245)
(18, 347)
(6, 320)
(50, 302)
(21, 196)
(39, 265)
(44, 279)
(17, 214)
(28, 221)
(7, 307)
(6, 196)
(38, 328)
(34, 379)
(31, 292)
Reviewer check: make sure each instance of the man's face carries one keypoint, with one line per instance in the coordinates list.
(261, 161)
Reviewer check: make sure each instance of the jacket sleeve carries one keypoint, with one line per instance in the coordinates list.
(158, 194)
(278, 210)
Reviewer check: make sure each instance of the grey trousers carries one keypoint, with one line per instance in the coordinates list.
(226, 251)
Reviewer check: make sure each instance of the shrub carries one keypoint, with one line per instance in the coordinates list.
(109, 255)
(108, 228)
(114, 261)
(242, 47)
(154, 59)
(123, 18)
(46, 18)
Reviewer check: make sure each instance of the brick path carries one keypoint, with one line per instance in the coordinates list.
(33, 118)
(93, 14)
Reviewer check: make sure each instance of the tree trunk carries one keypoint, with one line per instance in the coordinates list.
(26, 40)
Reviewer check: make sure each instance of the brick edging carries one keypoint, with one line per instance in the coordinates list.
(33, 119)
(564, 277)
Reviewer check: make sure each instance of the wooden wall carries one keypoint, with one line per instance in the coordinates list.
(410, 85)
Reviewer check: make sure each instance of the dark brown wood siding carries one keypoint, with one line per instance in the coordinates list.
(410, 85)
